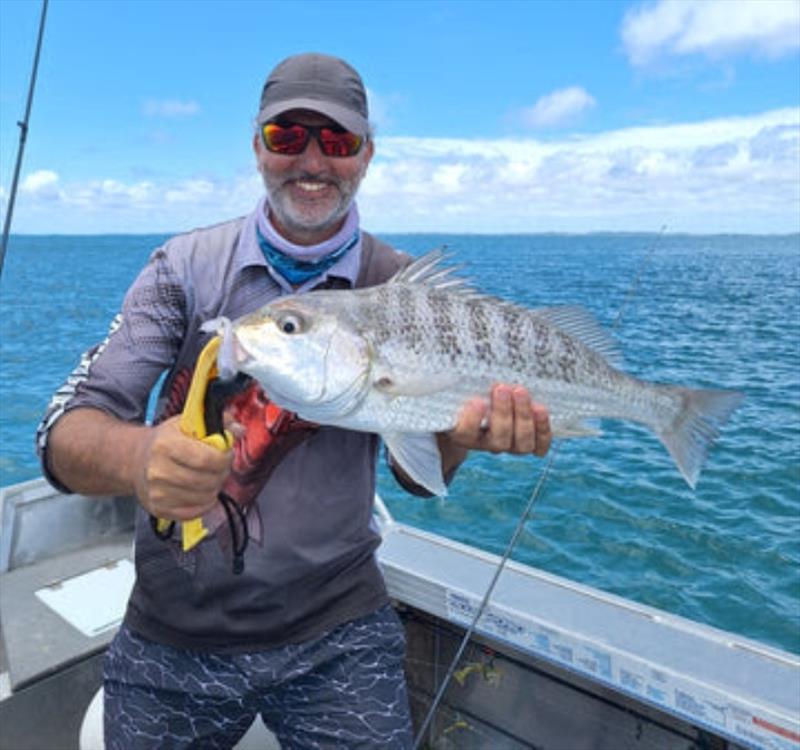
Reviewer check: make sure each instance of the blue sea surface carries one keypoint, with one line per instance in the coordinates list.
(707, 311)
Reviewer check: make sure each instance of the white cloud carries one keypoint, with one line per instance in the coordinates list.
(731, 174)
(41, 180)
(189, 191)
(558, 107)
(41, 185)
(737, 174)
(170, 108)
(714, 28)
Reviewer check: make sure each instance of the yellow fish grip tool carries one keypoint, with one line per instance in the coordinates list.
(193, 422)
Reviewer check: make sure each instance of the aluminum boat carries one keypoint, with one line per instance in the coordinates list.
(552, 664)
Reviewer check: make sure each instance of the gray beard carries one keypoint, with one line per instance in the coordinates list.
(279, 204)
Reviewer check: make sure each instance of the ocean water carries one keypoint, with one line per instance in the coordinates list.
(714, 311)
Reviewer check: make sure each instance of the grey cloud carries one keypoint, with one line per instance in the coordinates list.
(776, 144)
(714, 156)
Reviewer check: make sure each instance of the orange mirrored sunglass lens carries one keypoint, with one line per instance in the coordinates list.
(285, 139)
(338, 143)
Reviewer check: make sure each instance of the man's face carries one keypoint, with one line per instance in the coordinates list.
(310, 194)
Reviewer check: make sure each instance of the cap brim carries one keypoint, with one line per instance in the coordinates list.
(354, 122)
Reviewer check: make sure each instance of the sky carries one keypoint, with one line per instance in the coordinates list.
(490, 117)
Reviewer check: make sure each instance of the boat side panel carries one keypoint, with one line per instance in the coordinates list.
(507, 701)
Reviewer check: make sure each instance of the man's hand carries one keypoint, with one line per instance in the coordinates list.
(177, 477)
(510, 423)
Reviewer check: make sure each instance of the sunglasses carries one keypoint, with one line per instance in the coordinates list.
(291, 139)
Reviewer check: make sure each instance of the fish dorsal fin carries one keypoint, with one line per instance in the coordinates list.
(579, 323)
(429, 270)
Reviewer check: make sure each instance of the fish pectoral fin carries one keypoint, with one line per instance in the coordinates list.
(417, 454)
(574, 428)
(394, 383)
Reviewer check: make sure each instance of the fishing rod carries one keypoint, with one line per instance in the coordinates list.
(523, 519)
(23, 135)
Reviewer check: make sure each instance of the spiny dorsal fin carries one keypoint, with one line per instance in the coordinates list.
(428, 270)
(579, 323)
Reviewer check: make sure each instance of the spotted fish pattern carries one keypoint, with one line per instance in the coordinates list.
(441, 343)
(343, 691)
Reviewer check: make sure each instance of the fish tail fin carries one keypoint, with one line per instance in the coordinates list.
(696, 426)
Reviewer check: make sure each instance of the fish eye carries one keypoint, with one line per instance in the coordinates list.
(290, 323)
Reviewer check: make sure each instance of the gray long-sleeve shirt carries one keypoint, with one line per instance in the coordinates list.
(307, 491)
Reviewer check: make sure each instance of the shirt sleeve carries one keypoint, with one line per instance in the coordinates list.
(117, 375)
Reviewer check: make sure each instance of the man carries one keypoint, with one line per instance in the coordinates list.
(305, 635)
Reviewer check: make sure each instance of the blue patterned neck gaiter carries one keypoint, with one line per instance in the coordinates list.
(297, 271)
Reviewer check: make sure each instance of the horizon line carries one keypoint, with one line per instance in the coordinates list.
(440, 233)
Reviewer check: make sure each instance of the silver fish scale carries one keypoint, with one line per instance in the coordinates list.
(429, 332)
(473, 334)
(478, 331)
(389, 314)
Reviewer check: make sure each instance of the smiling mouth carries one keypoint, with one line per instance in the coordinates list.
(311, 187)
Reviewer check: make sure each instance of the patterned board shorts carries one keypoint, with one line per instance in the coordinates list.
(343, 690)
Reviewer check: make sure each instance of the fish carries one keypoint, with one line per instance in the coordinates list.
(400, 359)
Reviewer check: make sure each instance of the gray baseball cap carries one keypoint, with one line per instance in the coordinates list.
(320, 83)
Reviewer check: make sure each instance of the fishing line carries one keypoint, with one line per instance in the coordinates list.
(498, 570)
(637, 279)
(523, 519)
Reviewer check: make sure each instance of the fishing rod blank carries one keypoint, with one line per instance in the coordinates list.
(23, 134)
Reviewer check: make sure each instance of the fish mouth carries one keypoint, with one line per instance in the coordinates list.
(229, 356)
(238, 356)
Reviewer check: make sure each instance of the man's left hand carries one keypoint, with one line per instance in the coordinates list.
(511, 422)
